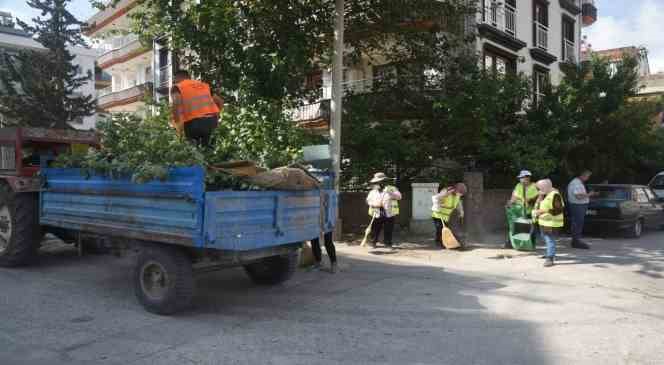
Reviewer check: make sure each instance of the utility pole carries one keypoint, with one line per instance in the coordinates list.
(337, 96)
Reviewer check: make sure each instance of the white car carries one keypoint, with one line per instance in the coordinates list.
(657, 185)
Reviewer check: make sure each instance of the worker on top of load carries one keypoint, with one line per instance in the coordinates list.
(195, 109)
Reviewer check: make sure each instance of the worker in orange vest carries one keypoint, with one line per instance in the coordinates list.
(195, 109)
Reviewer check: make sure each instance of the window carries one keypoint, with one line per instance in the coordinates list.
(498, 63)
(650, 194)
(541, 25)
(540, 83)
(640, 196)
(569, 44)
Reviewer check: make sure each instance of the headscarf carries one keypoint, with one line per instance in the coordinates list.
(545, 186)
(461, 188)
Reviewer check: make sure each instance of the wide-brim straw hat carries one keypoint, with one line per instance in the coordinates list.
(379, 177)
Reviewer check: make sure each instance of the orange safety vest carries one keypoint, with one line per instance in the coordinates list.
(196, 100)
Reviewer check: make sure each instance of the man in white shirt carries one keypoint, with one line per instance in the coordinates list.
(578, 199)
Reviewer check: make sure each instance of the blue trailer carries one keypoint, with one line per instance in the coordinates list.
(179, 229)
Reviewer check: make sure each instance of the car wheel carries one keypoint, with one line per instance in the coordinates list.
(637, 229)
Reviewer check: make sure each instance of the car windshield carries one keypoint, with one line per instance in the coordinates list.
(658, 182)
(610, 193)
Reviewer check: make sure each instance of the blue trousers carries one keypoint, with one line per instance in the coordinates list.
(550, 240)
(578, 217)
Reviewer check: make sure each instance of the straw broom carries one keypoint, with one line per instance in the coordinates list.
(367, 232)
(449, 241)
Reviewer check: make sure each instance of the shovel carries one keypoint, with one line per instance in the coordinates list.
(367, 232)
(449, 241)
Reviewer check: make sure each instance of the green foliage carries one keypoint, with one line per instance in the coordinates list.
(264, 48)
(597, 123)
(39, 88)
(145, 148)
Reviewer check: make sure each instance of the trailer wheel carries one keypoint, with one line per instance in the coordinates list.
(20, 232)
(163, 279)
(273, 270)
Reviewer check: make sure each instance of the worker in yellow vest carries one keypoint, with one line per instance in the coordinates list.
(383, 201)
(444, 204)
(195, 110)
(549, 214)
(525, 194)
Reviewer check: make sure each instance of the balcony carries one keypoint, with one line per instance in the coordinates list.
(499, 24)
(502, 18)
(124, 49)
(569, 51)
(541, 36)
(108, 15)
(589, 12)
(124, 97)
(163, 79)
(399, 15)
(313, 116)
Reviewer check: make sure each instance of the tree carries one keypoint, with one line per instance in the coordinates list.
(39, 88)
(598, 123)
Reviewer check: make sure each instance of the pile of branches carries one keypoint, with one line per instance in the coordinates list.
(146, 148)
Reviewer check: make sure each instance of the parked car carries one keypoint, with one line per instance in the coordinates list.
(657, 184)
(625, 208)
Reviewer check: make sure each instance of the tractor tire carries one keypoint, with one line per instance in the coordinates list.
(163, 279)
(20, 233)
(273, 270)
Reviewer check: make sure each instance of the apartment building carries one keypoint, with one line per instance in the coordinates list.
(616, 55)
(129, 63)
(13, 39)
(533, 37)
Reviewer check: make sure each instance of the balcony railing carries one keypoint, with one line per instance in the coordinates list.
(569, 51)
(105, 91)
(127, 48)
(106, 16)
(316, 111)
(163, 77)
(542, 36)
(126, 96)
(502, 17)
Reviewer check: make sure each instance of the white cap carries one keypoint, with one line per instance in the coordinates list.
(524, 173)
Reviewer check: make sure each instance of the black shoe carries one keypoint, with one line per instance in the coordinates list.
(580, 245)
(507, 245)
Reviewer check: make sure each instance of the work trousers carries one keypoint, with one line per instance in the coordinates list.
(386, 225)
(199, 130)
(329, 247)
(577, 214)
(549, 238)
(438, 225)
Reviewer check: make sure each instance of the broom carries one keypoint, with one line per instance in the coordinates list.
(449, 241)
(367, 232)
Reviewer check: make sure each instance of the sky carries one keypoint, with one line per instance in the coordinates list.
(620, 23)
(624, 23)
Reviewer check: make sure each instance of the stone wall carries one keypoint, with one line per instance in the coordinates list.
(353, 211)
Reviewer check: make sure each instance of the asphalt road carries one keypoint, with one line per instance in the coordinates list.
(415, 306)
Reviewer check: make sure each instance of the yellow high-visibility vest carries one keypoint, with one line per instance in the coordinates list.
(446, 206)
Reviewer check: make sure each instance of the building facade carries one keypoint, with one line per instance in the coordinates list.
(533, 37)
(122, 56)
(616, 55)
(13, 39)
